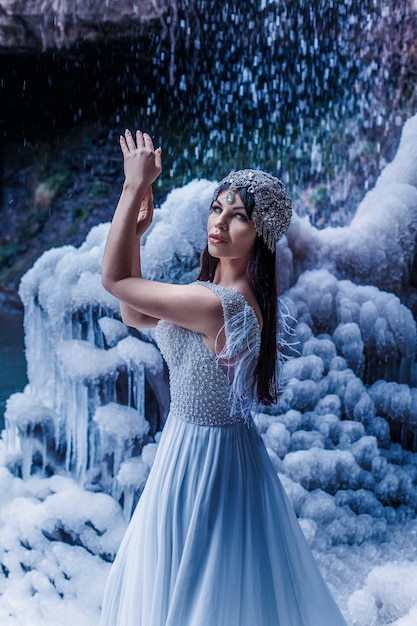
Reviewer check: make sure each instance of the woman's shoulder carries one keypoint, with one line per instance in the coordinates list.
(250, 298)
(234, 295)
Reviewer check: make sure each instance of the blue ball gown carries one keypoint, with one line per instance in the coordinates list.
(214, 540)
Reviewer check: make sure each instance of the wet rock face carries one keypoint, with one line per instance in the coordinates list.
(47, 24)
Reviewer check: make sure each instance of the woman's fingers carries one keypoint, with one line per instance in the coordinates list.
(129, 140)
(148, 141)
(158, 158)
(140, 142)
(143, 140)
(148, 197)
(123, 146)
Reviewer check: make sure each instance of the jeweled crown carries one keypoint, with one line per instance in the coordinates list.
(272, 213)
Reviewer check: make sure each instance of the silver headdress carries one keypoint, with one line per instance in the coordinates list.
(271, 215)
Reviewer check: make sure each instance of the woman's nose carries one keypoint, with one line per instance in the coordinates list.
(220, 221)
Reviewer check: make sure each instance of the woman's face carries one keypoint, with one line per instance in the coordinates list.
(231, 233)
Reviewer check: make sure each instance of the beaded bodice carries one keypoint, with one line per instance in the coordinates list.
(204, 389)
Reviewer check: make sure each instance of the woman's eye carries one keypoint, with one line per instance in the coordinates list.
(241, 217)
(215, 209)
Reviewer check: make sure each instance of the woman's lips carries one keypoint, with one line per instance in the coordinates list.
(217, 239)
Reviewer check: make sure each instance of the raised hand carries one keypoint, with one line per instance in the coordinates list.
(142, 163)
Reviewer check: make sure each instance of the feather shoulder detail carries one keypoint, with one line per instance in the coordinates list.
(240, 353)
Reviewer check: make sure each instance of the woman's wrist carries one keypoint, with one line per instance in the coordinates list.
(134, 189)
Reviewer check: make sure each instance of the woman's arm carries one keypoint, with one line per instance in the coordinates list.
(121, 256)
(190, 306)
(133, 317)
(130, 316)
(133, 215)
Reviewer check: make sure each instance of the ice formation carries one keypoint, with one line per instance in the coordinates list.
(81, 438)
(378, 247)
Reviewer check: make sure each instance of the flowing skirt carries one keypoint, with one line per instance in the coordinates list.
(214, 541)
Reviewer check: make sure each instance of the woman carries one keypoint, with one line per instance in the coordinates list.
(214, 540)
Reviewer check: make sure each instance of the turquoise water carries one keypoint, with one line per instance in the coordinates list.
(12, 358)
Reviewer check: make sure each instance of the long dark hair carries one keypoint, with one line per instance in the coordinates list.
(261, 272)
